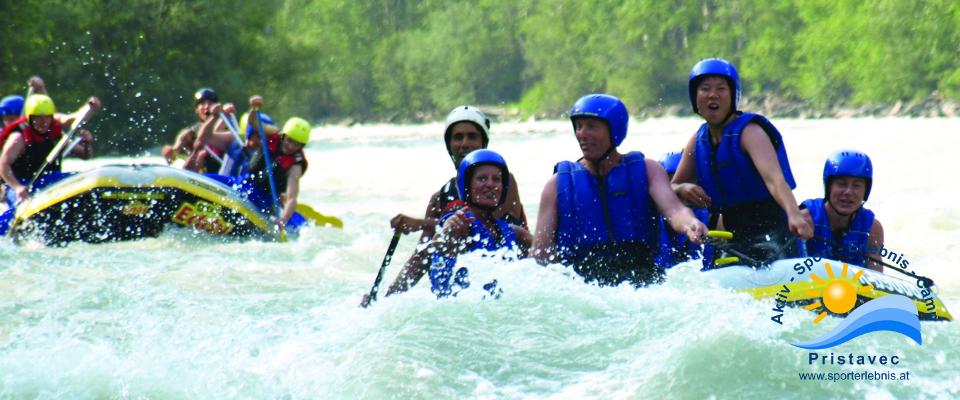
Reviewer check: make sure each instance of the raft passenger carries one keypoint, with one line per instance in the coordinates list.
(482, 186)
(238, 155)
(736, 165)
(289, 163)
(203, 102)
(466, 129)
(600, 213)
(843, 229)
(28, 141)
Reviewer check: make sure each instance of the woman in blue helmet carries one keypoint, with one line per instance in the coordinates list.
(482, 184)
(843, 229)
(466, 129)
(600, 214)
(737, 167)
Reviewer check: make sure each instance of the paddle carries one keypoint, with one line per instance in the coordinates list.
(926, 281)
(269, 167)
(317, 218)
(84, 112)
(383, 267)
(233, 129)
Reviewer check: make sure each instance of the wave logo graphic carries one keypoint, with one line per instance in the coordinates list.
(894, 313)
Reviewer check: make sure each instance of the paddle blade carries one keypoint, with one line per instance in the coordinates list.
(318, 218)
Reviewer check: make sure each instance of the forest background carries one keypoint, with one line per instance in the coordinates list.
(402, 61)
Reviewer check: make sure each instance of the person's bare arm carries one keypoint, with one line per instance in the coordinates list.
(759, 148)
(685, 178)
(875, 241)
(544, 238)
(680, 218)
(290, 197)
(12, 150)
(419, 263)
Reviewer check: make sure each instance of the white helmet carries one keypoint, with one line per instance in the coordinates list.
(469, 114)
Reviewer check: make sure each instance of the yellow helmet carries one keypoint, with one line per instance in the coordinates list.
(39, 105)
(297, 129)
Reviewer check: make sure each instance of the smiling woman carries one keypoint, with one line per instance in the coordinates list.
(482, 185)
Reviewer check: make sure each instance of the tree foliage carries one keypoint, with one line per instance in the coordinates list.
(399, 59)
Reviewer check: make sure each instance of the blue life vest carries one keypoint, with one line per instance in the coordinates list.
(236, 161)
(608, 229)
(852, 248)
(677, 247)
(728, 175)
(446, 279)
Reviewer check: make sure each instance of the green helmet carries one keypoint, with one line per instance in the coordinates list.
(297, 129)
(39, 105)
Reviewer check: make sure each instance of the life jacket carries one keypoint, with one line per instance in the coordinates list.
(607, 228)
(37, 147)
(281, 165)
(852, 246)
(236, 161)
(727, 173)
(447, 197)
(446, 279)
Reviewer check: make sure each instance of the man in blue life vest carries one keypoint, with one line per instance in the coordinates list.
(736, 165)
(600, 213)
(466, 129)
(676, 247)
(843, 229)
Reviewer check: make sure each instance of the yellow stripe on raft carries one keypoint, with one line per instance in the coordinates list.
(799, 292)
(207, 192)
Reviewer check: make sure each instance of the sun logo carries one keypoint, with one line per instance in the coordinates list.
(839, 294)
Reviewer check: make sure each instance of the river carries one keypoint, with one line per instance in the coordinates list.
(188, 317)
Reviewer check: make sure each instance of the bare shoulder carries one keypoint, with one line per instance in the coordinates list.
(876, 229)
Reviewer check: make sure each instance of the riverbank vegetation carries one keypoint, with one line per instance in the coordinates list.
(401, 60)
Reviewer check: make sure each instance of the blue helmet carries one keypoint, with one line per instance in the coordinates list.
(714, 66)
(671, 161)
(11, 105)
(204, 94)
(607, 108)
(847, 163)
(477, 158)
